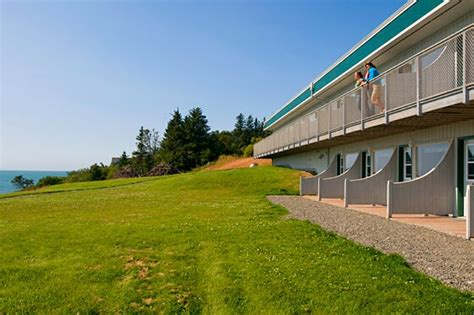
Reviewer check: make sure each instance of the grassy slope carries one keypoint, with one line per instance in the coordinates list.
(199, 242)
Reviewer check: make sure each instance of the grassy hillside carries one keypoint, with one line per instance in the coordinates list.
(204, 242)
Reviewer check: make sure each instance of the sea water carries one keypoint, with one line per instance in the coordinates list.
(6, 176)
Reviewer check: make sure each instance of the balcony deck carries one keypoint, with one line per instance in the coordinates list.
(433, 88)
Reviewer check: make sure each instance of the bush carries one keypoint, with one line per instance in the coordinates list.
(162, 169)
(95, 172)
(50, 180)
(82, 175)
(126, 172)
(248, 151)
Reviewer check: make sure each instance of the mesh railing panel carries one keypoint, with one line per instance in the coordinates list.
(313, 124)
(323, 116)
(336, 115)
(352, 107)
(304, 127)
(470, 56)
(297, 132)
(286, 135)
(401, 86)
(439, 69)
(374, 98)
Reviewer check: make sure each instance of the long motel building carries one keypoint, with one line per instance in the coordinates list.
(405, 140)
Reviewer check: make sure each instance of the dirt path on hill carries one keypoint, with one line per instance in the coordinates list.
(232, 163)
(445, 257)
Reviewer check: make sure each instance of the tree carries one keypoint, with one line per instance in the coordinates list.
(98, 172)
(143, 160)
(196, 131)
(172, 149)
(245, 129)
(154, 142)
(123, 161)
(21, 182)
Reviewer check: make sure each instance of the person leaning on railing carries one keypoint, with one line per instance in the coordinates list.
(370, 75)
(359, 79)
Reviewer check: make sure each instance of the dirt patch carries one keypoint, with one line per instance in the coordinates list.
(232, 162)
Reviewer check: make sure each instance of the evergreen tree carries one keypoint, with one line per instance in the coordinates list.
(239, 123)
(123, 161)
(154, 142)
(172, 146)
(196, 130)
(142, 157)
(21, 182)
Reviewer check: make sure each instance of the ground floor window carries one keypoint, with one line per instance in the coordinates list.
(428, 156)
(381, 158)
(350, 160)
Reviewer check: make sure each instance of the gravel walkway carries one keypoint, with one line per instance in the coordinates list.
(446, 257)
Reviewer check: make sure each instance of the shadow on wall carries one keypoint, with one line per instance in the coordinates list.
(311, 171)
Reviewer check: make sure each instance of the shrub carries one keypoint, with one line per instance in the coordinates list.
(248, 151)
(50, 180)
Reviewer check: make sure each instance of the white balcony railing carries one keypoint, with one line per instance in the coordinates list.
(445, 67)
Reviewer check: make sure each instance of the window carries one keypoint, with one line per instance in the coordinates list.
(406, 68)
(407, 163)
(433, 56)
(470, 162)
(381, 158)
(428, 156)
(350, 160)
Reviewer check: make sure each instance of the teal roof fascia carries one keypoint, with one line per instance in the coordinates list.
(418, 10)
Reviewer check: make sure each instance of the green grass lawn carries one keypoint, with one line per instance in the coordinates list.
(203, 242)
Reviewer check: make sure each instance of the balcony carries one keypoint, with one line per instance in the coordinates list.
(431, 88)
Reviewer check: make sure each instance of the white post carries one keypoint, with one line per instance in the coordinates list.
(329, 122)
(343, 116)
(318, 122)
(464, 69)
(301, 185)
(362, 107)
(418, 86)
(385, 99)
(389, 199)
(470, 212)
(346, 192)
(319, 188)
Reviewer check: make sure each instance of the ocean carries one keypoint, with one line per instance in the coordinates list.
(6, 176)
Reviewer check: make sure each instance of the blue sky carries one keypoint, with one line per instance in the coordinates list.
(78, 78)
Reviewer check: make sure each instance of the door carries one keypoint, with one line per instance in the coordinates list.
(468, 168)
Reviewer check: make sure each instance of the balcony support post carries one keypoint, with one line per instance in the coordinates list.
(464, 68)
(343, 116)
(362, 105)
(419, 110)
(385, 99)
(318, 123)
(329, 122)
